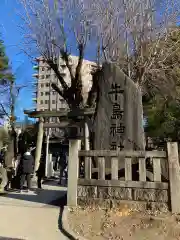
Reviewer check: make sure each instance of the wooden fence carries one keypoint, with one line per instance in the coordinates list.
(137, 177)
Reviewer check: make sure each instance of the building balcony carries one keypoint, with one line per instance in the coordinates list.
(36, 67)
(34, 96)
(35, 75)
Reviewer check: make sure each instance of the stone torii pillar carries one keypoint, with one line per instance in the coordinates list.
(39, 144)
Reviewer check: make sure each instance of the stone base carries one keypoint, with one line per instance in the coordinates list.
(121, 204)
(122, 193)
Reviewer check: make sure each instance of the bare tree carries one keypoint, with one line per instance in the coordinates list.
(132, 33)
(135, 35)
(52, 28)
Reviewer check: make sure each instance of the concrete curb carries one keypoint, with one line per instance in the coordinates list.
(66, 228)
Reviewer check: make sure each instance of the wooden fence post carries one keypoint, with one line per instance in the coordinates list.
(174, 176)
(73, 171)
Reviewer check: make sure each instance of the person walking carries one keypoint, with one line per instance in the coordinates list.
(26, 169)
(41, 172)
(63, 165)
(10, 175)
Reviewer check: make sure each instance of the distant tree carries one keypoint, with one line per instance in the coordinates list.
(162, 108)
(4, 137)
(163, 119)
(9, 93)
(5, 73)
(6, 79)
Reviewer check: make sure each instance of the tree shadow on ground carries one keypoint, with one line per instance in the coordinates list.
(49, 197)
(7, 238)
(55, 183)
(63, 203)
(43, 196)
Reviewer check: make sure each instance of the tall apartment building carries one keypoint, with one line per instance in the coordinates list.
(48, 99)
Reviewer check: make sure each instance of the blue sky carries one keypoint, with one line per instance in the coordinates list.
(21, 64)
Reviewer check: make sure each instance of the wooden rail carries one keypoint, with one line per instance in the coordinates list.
(118, 183)
(141, 156)
(108, 153)
(161, 164)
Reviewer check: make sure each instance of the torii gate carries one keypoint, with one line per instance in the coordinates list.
(66, 120)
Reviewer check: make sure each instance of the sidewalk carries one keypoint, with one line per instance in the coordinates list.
(30, 216)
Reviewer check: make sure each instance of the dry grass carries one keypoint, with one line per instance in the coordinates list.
(123, 224)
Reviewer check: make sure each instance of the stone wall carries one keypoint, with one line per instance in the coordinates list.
(115, 196)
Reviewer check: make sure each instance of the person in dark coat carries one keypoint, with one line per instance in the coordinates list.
(10, 174)
(41, 172)
(26, 169)
(63, 165)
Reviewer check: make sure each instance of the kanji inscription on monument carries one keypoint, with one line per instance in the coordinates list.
(118, 122)
(117, 126)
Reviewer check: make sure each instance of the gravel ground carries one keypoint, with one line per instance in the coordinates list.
(123, 224)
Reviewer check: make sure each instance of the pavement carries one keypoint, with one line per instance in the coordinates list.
(33, 216)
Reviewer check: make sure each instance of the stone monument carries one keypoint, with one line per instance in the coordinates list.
(118, 122)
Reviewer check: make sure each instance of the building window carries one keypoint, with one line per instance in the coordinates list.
(46, 101)
(47, 84)
(46, 93)
(53, 119)
(42, 76)
(48, 76)
(54, 92)
(53, 130)
(42, 69)
(42, 93)
(41, 101)
(42, 85)
(53, 101)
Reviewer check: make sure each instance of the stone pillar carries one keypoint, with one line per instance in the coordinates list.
(174, 176)
(87, 148)
(50, 166)
(86, 137)
(73, 171)
(47, 154)
(39, 144)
